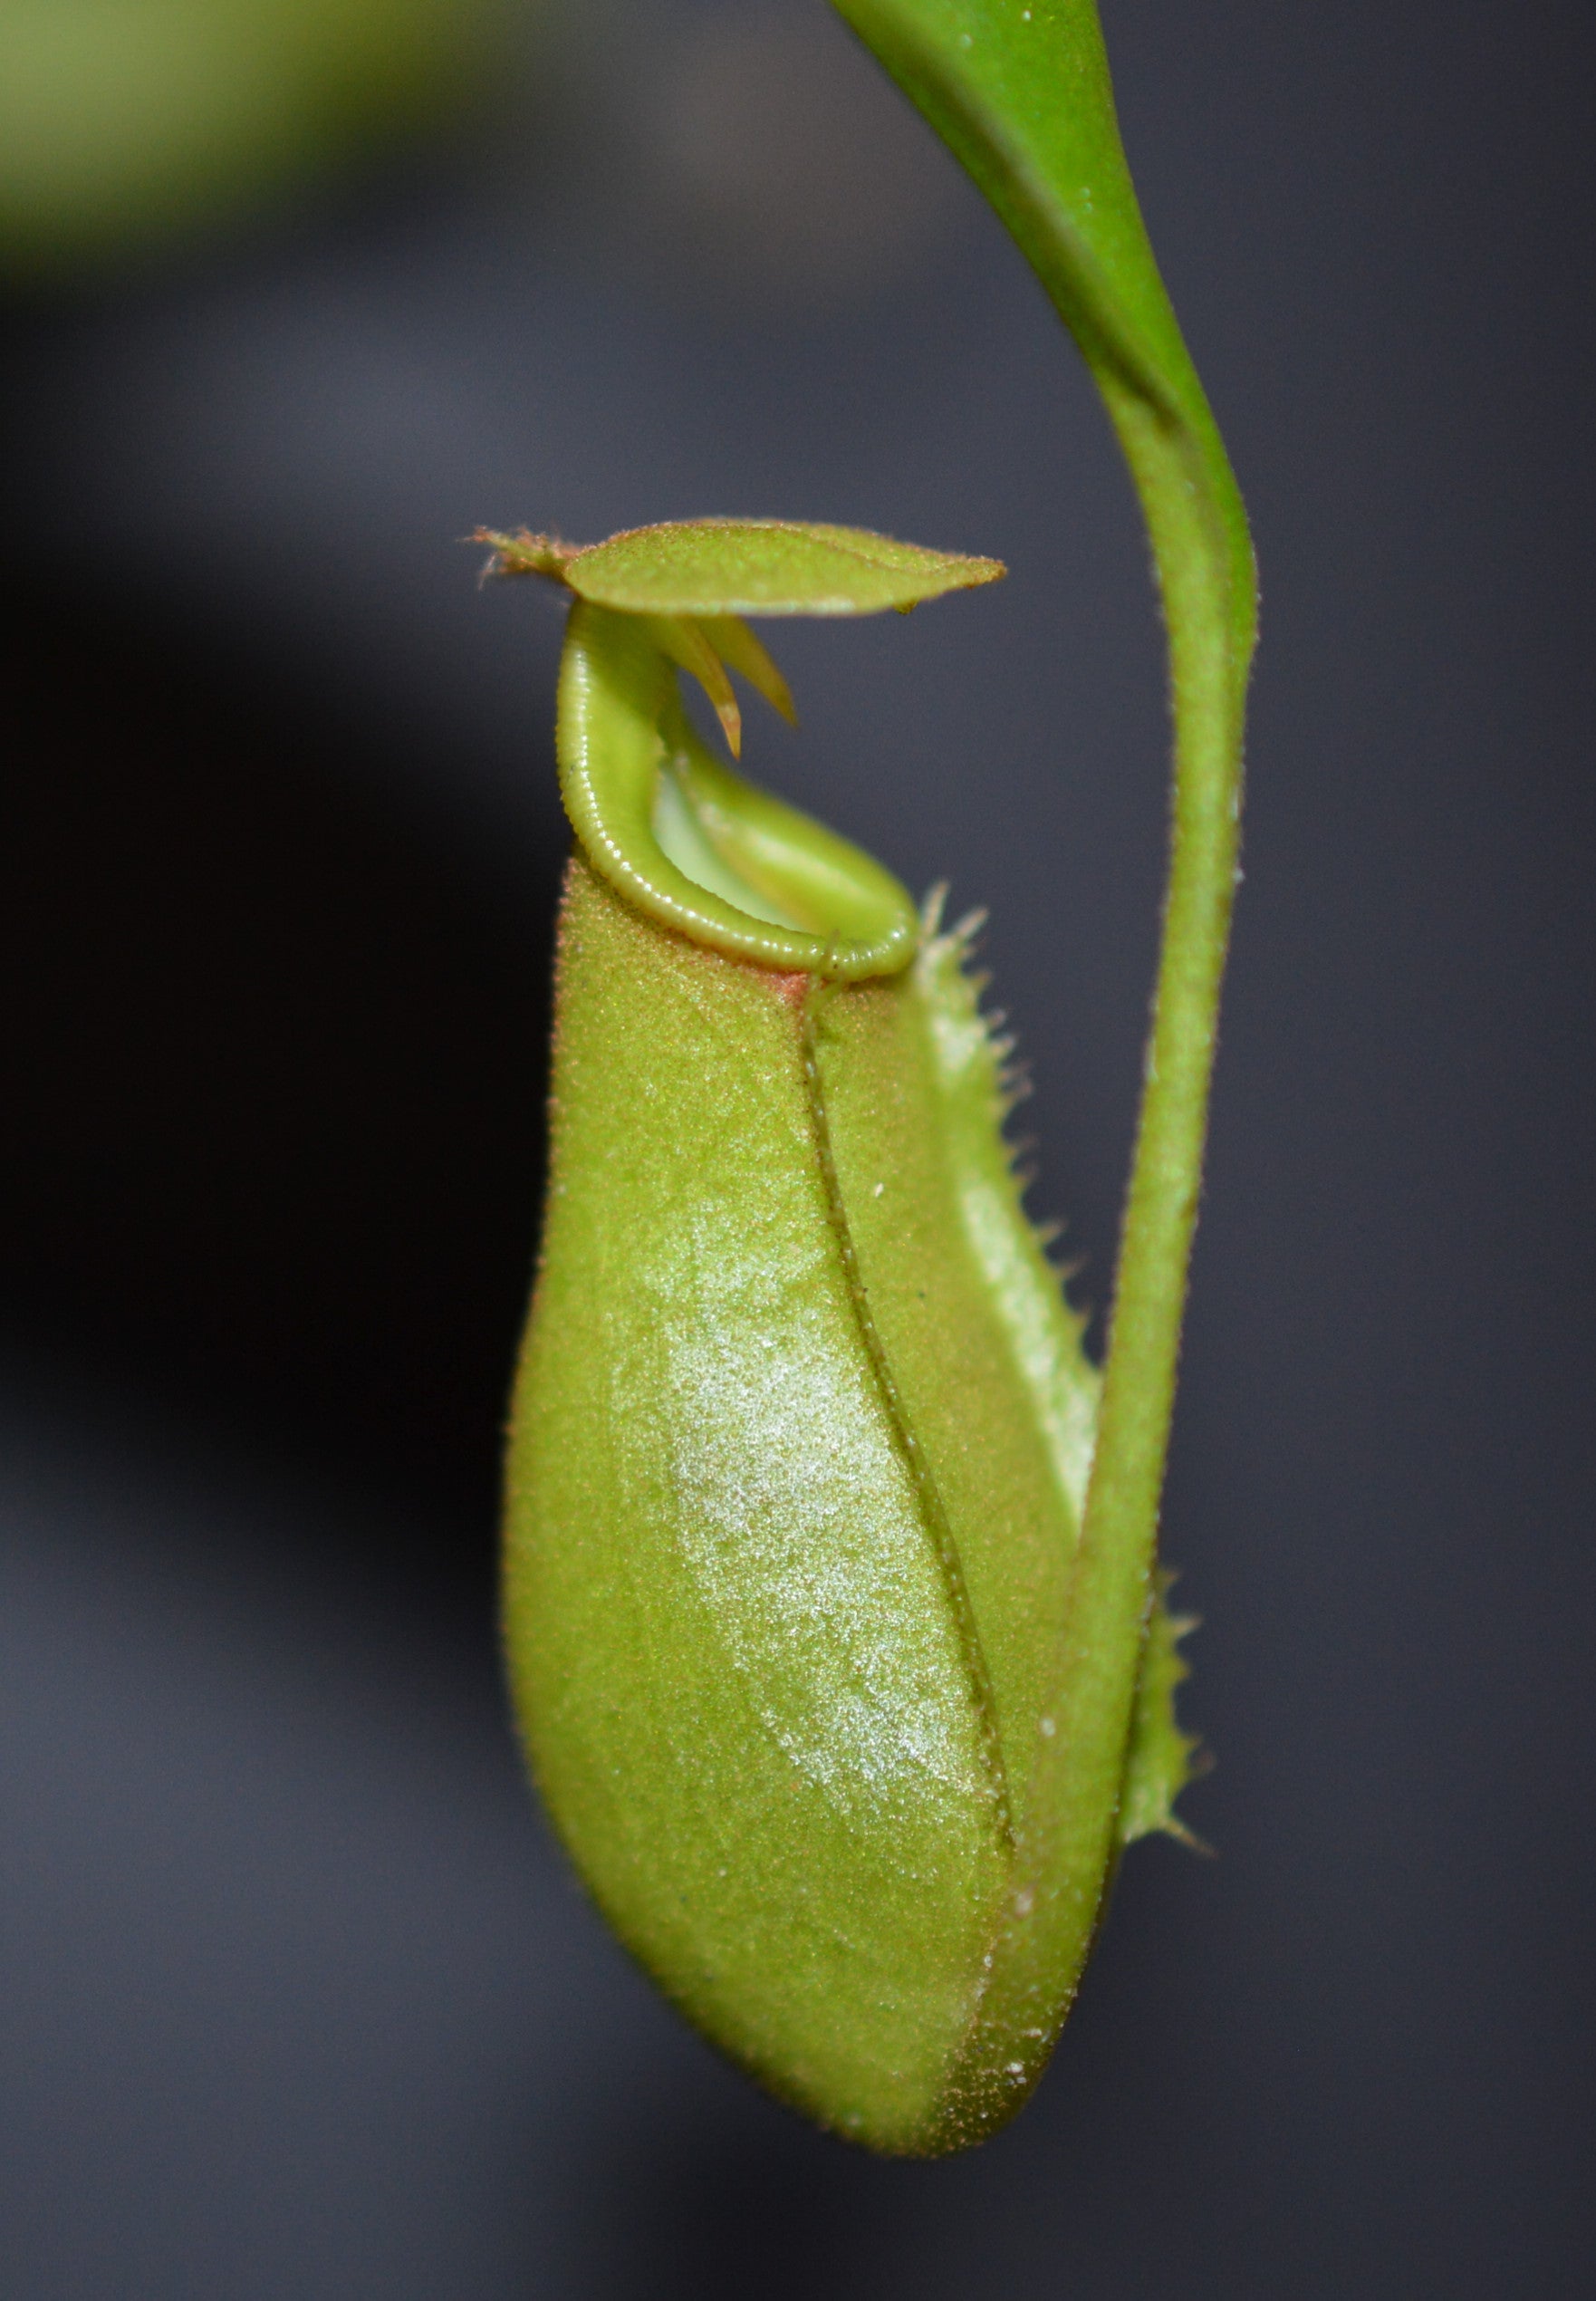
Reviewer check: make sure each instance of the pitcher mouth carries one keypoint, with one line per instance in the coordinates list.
(688, 841)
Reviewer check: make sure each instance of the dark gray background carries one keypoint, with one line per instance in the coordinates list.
(297, 1999)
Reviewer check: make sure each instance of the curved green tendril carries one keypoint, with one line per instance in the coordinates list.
(1021, 93)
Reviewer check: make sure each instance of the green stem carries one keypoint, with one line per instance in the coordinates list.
(1208, 686)
(1113, 1584)
(1021, 95)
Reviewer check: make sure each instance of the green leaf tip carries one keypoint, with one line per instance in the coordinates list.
(743, 567)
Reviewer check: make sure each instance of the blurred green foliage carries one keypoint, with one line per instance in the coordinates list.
(123, 121)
